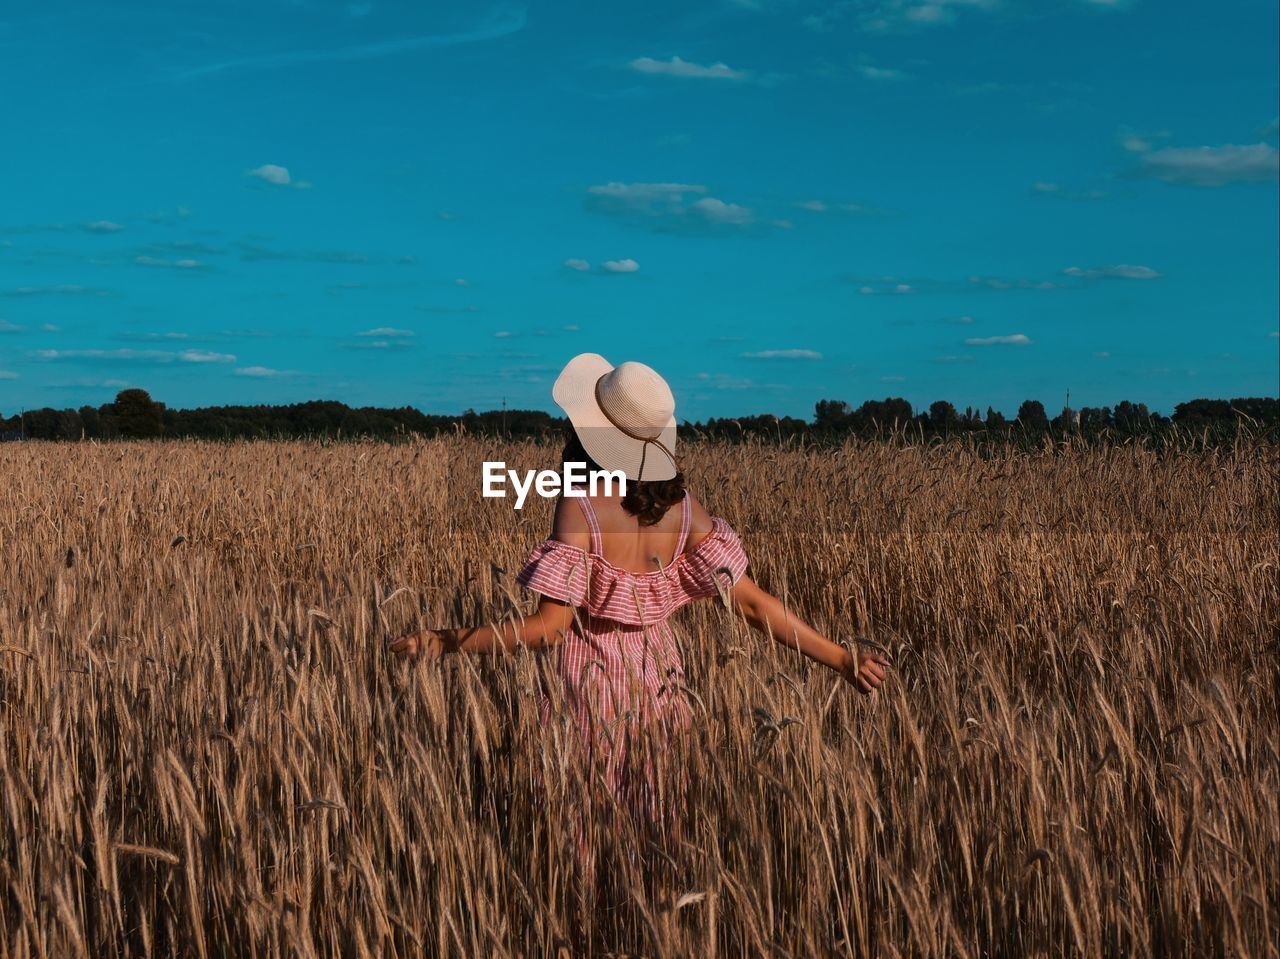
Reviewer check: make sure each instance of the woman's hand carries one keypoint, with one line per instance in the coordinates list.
(866, 669)
(431, 643)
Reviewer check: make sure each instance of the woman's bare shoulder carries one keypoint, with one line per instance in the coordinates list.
(699, 521)
(570, 524)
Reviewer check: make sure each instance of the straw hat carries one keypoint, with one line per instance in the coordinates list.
(624, 415)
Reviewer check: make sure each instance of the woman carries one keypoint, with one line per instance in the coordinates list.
(616, 567)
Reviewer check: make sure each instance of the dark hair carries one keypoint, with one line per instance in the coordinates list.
(646, 500)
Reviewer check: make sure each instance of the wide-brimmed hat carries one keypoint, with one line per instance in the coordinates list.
(624, 415)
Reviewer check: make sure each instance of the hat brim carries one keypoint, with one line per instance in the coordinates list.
(612, 449)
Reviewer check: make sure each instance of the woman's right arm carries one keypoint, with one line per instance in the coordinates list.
(765, 612)
(544, 628)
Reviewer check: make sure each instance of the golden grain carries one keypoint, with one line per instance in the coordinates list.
(1078, 753)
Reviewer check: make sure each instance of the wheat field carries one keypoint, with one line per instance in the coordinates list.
(205, 749)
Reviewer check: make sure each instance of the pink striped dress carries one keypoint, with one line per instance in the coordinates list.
(620, 667)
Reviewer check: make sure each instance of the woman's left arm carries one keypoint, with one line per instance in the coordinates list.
(865, 669)
(546, 627)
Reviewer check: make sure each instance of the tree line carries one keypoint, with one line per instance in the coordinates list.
(135, 415)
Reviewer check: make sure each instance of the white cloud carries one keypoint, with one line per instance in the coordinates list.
(1048, 188)
(641, 197)
(792, 354)
(927, 13)
(461, 281)
(503, 20)
(1212, 166)
(168, 216)
(128, 355)
(1140, 141)
(614, 188)
(898, 14)
(7, 327)
(724, 381)
(50, 328)
(1014, 339)
(717, 211)
(502, 334)
(620, 266)
(263, 372)
(923, 285)
(1000, 283)
(8, 375)
(272, 173)
(676, 67)
(103, 226)
(387, 332)
(574, 263)
(671, 207)
(186, 263)
(1103, 355)
(1119, 271)
(64, 289)
(172, 335)
(823, 206)
(880, 73)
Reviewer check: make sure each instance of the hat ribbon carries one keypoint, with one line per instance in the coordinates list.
(646, 440)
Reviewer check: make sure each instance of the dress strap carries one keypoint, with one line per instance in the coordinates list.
(597, 543)
(686, 520)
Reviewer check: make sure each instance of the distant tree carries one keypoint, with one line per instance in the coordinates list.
(832, 415)
(1227, 415)
(91, 422)
(883, 414)
(135, 415)
(41, 424)
(943, 417)
(1263, 410)
(70, 426)
(1131, 418)
(1197, 414)
(1032, 417)
(1095, 419)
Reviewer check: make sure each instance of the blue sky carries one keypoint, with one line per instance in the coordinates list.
(770, 201)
